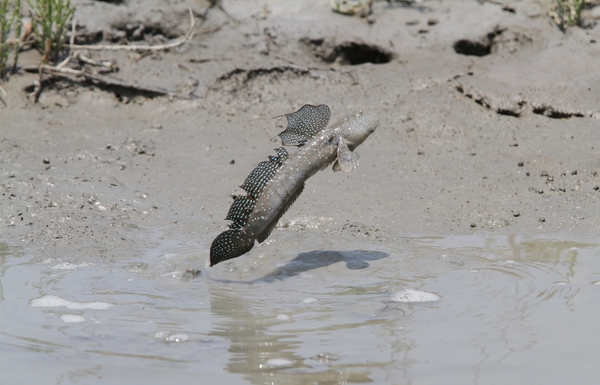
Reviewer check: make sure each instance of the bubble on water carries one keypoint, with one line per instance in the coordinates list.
(309, 300)
(161, 335)
(561, 283)
(174, 274)
(276, 363)
(597, 283)
(179, 337)
(72, 318)
(283, 317)
(169, 336)
(68, 266)
(326, 357)
(411, 296)
(473, 271)
(55, 301)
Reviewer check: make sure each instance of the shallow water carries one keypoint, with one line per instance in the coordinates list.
(423, 310)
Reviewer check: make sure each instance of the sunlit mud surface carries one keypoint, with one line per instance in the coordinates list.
(453, 310)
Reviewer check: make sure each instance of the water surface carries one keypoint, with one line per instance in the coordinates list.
(420, 310)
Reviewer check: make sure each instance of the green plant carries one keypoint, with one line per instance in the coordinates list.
(50, 21)
(10, 14)
(569, 13)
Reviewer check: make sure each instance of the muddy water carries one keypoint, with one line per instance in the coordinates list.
(423, 310)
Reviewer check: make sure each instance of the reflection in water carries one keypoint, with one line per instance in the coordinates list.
(266, 356)
(5, 252)
(511, 309)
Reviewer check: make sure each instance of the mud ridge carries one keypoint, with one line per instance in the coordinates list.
(516, 106)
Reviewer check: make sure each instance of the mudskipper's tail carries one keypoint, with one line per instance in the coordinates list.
(230, 244)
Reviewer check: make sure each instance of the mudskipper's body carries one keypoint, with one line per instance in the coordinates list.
(274, 185)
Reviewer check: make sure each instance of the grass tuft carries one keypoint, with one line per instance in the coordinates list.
(569, 13)
(10, 17)
(50, 22)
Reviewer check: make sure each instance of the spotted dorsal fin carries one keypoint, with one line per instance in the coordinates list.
(233, 242)
(304, 124)
(256, 182)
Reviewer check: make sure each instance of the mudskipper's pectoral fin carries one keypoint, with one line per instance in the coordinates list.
(304, 124)
(346, 159)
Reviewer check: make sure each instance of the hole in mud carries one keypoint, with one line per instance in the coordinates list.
(478, 47)
(472, 48)
(347, 53)
(556, 113)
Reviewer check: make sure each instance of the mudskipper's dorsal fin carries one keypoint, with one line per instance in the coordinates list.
(256, 182)
(233, 242)
(304, 124)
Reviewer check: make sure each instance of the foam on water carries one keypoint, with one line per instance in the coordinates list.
(412, 296)
(169, 336)
(72, 318)
(55, 301)
(179, 337)
(68, 266)
(276, 363)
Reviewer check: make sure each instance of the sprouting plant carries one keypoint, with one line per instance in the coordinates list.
(50, 21)
(10, 14)
(569, 13)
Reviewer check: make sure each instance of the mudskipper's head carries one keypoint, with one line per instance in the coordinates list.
(358, 127)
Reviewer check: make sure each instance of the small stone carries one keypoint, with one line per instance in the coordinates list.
(473, 225)
(412, 22)
(520, 164)
(542, 220)
(596, 188)
(544, 173)
(156, 125)
(46, 161)
(232, 161)
(432, 21)
(574, 172)
(516, 214)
